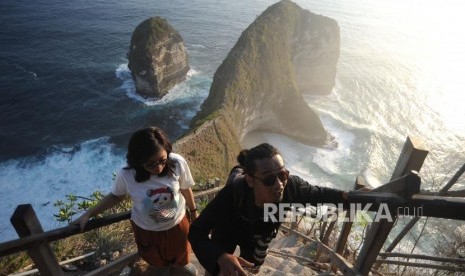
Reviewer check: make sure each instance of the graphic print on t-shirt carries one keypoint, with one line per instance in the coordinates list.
(160, 204)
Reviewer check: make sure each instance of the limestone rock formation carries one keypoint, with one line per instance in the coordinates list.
(256, 88)
(315, 53)
(157, 57)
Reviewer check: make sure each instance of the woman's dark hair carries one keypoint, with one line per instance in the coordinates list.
(144, 144)
(246, 158)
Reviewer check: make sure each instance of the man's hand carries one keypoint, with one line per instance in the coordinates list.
(231, 265)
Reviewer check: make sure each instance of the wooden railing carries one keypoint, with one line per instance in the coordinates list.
(37, 242)
(403, 190)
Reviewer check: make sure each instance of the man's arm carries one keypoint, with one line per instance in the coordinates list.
(206, 251)
(300, 191)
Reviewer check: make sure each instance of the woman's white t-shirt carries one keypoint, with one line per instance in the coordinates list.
(158, 204)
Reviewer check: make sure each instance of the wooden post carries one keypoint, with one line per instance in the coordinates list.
(115, 267)
(338, 261)
(414, 220)
(411, 158)
(26, 223)
(324, 236)
(325, 232)
(346, 226)
(328, 232)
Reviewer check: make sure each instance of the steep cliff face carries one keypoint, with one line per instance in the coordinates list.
(315, 53)
(257, 88)
(157, 57)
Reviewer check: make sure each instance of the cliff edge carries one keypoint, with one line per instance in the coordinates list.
(258, 88)
(157, 57)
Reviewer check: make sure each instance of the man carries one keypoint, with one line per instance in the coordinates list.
(236, 215)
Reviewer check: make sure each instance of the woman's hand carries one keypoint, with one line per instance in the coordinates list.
(81, 221)
(190, 203)
(105, 203)
(231, 265)
(193, 215)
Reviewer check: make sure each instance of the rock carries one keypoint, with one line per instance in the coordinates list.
(101, 262)
(157, 57)
(126, 271)
(259, 86)
(316, 53)
(276, 265)
(69, 267)
(115, 255)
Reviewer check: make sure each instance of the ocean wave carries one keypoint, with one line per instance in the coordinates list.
(31, 73)
(198, 46)
(194, 86)
(342, 115)
(192, 72)
(329, 160)
(315, 165)
(79, 170)
(123, 72)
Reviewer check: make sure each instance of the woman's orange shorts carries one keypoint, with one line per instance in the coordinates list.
(164, 248)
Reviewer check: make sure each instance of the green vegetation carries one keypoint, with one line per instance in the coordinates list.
(78, 204)
(258, 74)
(259, 64)
(11, 263)
(210, 150)
(115, 237)
(257, 77)
(70, 207)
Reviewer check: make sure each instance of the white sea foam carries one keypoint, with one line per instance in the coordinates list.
(371, 178)
(192, 72)
(190, 88)
(199, 46)
(123, 72)
(31, 73)
(343, 117)
(329, 160)
(78, 170)
(306, 161)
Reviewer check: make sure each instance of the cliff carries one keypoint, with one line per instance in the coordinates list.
(257, 88)
(316, 53)
(157, 57)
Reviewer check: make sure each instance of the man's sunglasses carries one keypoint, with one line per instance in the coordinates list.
(270, 180)
(152, 165)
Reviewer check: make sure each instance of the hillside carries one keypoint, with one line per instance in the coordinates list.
(259, 86)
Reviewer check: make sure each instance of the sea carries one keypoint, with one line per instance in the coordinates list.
(68, 104)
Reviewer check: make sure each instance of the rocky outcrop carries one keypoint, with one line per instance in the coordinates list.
(157, 57)
(315, 53)
(257, 88)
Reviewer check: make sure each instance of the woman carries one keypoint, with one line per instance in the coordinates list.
(155, 179)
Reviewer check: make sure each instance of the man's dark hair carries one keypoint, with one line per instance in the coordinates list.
(247, 157)
(144, 144)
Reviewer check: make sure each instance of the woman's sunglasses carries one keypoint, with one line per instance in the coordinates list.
(152, 165)
(270, 180)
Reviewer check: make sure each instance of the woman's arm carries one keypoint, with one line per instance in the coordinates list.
(189, 196)
(105, 203)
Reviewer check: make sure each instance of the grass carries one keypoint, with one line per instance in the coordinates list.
(256, 71)
(104, 241)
